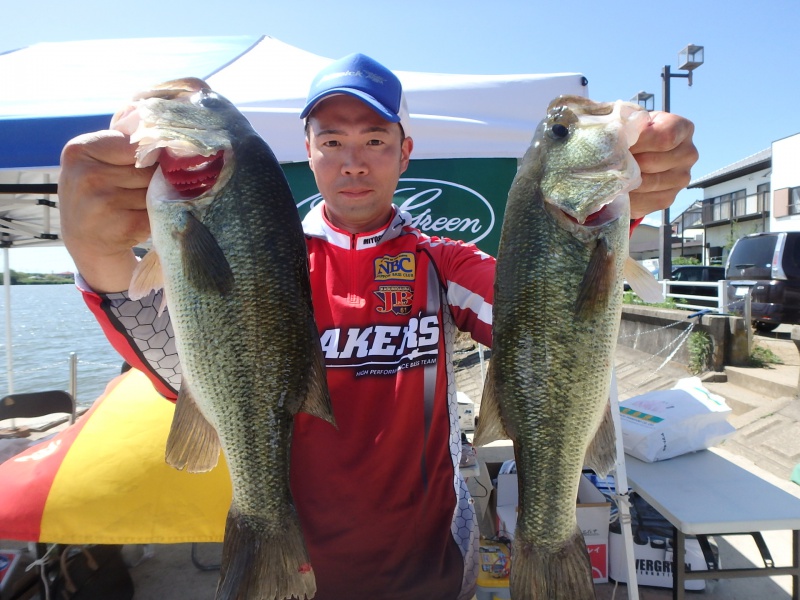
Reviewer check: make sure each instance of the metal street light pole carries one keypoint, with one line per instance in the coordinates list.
(691, 57)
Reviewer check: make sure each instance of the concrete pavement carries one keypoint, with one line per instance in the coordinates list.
(766, 407)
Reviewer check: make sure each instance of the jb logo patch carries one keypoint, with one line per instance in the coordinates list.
(395, 299)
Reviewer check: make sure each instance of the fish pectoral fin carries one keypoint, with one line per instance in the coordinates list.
(147, 276)
(597, 281)
(601, 455)
(642, 282)
(204, 262)
(490, 423)
(318, 401)
(193, 443)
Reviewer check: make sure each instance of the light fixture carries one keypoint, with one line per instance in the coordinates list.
(644, 99)
(690, 58)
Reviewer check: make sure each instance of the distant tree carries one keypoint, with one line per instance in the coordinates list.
(14, 277)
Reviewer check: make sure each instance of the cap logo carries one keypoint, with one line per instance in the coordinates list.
(364, 74)
(375, 78)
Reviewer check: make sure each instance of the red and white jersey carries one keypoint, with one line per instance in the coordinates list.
(383, 507)
(384, 502)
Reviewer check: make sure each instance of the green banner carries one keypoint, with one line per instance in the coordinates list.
(457, 198)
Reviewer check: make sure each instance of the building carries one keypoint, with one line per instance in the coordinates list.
(735, 203)
(688, 233)
(785, 214)
(644, 242)
(758, 193)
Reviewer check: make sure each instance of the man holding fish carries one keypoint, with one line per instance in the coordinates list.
(384, 511)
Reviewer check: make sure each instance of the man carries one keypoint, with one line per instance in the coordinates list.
(383, 508)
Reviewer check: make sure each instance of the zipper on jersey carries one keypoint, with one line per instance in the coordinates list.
(353, 296)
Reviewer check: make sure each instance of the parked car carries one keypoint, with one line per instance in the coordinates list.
(699, 273)
(767, 266)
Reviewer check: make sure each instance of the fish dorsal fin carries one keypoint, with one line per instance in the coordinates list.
(597, 281)
(193, 443)
(204, 262)
(147, 276)
(317, 401)
(601, 456)
(490, 424)
(642, 282)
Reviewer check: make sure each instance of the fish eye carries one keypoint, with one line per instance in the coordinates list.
(558, 131)
(211, 100)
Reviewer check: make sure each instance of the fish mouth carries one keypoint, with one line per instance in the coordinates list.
(607, 213)
(191, 176)
(596, 219)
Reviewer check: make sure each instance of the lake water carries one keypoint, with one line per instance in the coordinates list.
(48, 322)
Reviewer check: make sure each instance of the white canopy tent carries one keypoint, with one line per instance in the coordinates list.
(54, 91)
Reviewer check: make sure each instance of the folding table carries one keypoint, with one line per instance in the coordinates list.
(703, 494)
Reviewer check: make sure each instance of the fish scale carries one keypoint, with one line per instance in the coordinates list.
(233, 264)
(558, 294)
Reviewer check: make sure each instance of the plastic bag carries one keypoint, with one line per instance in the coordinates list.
(667, 423)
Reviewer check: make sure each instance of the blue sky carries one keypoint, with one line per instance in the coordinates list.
(743, 98)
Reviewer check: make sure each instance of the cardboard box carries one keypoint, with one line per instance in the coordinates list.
(593, 514)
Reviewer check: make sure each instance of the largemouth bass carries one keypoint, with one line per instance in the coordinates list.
(229, 250)
(558, 296)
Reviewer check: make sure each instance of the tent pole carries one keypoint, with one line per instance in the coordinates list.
(622, 496)
(7, 287)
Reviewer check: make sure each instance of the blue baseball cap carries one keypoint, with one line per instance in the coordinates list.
(366, 79)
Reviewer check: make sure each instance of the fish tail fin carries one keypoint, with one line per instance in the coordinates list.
(263, 561)
(601, 456)
(538, 573)
(490, 422)
(193, 443)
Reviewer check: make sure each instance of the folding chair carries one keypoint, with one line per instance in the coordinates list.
(38, 404)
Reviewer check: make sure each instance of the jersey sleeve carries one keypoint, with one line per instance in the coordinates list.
(143, 338)
(468, 275)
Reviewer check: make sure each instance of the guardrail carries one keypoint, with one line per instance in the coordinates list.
(718, 301)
